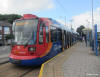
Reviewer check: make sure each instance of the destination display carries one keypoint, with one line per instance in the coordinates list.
(21, 23)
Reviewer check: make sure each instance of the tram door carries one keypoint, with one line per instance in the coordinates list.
(63, 39)
(41, 45)
(42, 39)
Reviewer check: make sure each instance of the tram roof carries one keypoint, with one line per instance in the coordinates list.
(59, 25)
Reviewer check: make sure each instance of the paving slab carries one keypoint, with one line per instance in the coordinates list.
(5, 50)
(82, 63)
(4, 53)
(53, 68)
(4, 58)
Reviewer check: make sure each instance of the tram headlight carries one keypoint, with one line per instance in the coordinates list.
(32, 49)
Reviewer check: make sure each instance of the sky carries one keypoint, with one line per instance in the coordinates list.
(79, 11)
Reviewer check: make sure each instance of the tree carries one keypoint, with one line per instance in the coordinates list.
(13, 17)
(79, 30)
(9, 17)
(9, 36)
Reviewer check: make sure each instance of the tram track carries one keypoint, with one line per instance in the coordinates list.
(11, 70)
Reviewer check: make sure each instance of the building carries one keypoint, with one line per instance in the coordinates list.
(5, 29)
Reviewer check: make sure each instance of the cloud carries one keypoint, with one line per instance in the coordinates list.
(60, 21)
(24, 6)
(63, 22)
(50, 6)
(86, 19)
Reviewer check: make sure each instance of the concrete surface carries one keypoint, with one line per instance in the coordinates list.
(82, 63)
(4, 50)
(53, 67)
(4, 53)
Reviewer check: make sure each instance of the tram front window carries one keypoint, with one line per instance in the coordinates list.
(25, 31)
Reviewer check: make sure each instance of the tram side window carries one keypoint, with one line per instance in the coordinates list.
(59, 34)
(47, 34)
(41, 35)
(53, 34)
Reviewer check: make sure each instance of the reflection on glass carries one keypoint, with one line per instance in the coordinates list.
(24, 31)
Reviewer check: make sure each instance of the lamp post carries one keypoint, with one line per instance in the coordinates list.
(71, 23)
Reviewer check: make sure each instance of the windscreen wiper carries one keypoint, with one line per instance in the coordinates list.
(27, 43)
(28, 40)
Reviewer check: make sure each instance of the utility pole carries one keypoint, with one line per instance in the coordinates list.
(92, 21)
(92, 15)
(93, 36)
(64, 18)
(71, 23)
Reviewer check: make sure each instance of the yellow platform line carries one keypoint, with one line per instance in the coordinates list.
(41, 71)
(42, 67)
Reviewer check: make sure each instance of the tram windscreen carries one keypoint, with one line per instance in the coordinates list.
(25, 31)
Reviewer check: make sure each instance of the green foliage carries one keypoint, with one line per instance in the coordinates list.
(79, 30)
(9, 17)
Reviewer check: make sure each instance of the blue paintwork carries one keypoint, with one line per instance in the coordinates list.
(56, 49)
(96, 40)
(59, 25)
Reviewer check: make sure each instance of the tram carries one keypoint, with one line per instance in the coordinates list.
(37, 40)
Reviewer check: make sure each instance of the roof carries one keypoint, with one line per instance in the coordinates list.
(4, 23)
(87, 29)
(60, 25)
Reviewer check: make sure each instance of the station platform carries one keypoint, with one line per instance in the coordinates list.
(77, 61)
(82, 63)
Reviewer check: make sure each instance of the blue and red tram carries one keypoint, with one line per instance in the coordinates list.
(36, 40)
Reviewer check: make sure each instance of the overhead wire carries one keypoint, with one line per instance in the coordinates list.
(58, 2)
(64, 10)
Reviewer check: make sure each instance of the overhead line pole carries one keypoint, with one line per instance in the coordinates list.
(92, 21)
(65, 20)
(63, 10)
(92, 15)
